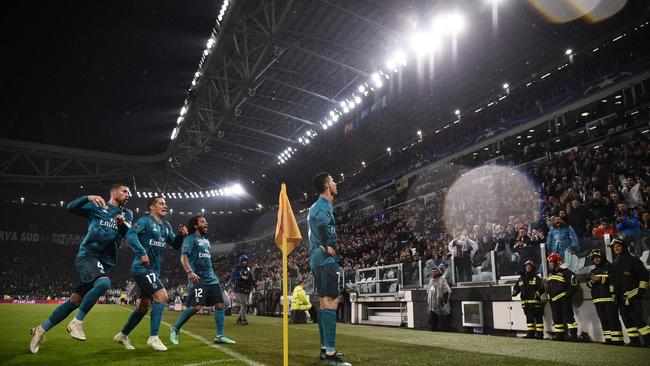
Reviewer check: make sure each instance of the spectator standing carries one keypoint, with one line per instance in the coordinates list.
(438, 294)
(561, 237)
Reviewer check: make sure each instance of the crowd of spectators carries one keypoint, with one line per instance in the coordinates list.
(564, 201)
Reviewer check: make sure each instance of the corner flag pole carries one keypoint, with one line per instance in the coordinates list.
(285, 303)
(287, 236)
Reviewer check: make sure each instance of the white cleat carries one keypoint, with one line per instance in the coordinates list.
(76, 330)
(38, 334)
(123, 340)
(155, 343)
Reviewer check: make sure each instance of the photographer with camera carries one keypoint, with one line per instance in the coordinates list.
(242, 277)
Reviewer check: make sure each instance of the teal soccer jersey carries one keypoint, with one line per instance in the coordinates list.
(322, 232)
(149, 236)
(104, 234)
(197, 249)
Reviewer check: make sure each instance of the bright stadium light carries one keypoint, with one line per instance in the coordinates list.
(332, 113)
(388, 149)
(363, 164)
(343, 104)
(424, 42)
(400, 57)
(357, 99)
(329, 122)
(352, 105)
(457, 112)
(506, 85)
(335, 118)
(568, 52)
(174, 133)
(300, 139)
(419, 133)
(179, 120)
(308, 133)
(210, 42)
(306, 140)
(453, 23)
(138, 193)
(361, 89)
(324, 125)
(183, 110)
(391, 64)
(346, 110)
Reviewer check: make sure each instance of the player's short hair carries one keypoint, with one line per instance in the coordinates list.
(319, 181)
(117, 185)
(152, 201)
(192, 223)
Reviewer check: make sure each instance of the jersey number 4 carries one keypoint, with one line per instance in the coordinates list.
(151, 277)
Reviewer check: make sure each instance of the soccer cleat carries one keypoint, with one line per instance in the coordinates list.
(323, 354)
(173, 335)
(76, 330)
(124, 340)
(38, 334)
(223, 340)
(155, 343)
(336, 360)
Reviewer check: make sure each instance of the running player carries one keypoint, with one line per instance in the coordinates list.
(204, 288)
(108, 223)
(325, 265)
(148, 238)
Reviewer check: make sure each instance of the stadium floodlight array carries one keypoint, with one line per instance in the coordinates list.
(234, 190)
(209, 45)
(424, 42)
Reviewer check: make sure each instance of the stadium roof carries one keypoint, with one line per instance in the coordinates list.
(93, 90)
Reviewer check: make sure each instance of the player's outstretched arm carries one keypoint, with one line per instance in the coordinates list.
(83, 205)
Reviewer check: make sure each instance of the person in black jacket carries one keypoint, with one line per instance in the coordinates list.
(603, 299)
(531, 288)
(561, 286)
(629, 279)
(242, 277)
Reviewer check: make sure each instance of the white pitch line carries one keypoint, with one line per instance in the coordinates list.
(210, 362)
(237, 356)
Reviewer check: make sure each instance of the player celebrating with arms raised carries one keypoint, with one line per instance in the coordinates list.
(108, 223)
(204, 288)
(325, 265)
(148, 238)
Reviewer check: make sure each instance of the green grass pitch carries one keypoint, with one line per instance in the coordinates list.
(260, 343)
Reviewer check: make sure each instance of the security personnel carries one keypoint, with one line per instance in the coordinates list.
(603, 299)
(531, 287)
(629, 280)
(561, 286)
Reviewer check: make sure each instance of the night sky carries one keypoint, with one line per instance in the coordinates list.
(109, 76)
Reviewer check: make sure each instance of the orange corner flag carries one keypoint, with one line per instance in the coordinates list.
(287, 226)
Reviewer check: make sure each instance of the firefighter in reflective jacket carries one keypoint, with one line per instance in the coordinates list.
(629, 280)
(603, 299)
(531, 288)
(561, 285)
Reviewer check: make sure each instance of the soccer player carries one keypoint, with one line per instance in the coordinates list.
(325, 265)
(148, 238)
(204, 288)
(108, 223)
